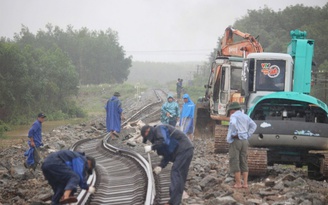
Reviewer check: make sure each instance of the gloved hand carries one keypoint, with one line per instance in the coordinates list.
(92, 189)
(157, 170)
(147, 148)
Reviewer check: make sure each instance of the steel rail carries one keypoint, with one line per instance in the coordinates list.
(159, 100)
(84, 196)
(151, 191)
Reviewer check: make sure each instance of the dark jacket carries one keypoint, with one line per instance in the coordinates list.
(75, 161)
(168, 142)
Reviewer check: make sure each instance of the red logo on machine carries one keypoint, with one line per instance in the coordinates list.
(272, 71)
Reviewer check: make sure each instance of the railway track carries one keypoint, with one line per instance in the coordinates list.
(123, 173)
(150, 112)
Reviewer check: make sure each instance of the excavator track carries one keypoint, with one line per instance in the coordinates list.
(257, 161)
(220, 142)
(318, 164)
(257, 157)
(324, 166)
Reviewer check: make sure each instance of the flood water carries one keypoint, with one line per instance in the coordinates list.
(47, 126)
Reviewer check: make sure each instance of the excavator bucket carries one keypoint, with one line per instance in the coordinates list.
(204, 125)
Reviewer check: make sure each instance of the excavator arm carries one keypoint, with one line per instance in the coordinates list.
(239, 48)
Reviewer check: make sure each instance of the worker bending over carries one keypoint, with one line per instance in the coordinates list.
(64, 170)
(174, 146)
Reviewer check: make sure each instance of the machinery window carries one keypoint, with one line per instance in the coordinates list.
(235, 79)
(270, 75)
(224, 86)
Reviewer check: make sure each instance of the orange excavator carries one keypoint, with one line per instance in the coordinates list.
(242, 48)
(224, 85)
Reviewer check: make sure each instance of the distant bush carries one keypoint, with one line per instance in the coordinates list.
(3, 128)
(58, 115)
(19, 120)
(68, 111)
(73, 111)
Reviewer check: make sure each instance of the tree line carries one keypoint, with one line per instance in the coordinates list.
(273, 28)
(40, 72)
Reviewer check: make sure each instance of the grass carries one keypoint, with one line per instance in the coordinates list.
(92, 98)
(4, 137)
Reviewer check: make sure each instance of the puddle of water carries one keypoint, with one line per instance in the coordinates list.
(47, 126)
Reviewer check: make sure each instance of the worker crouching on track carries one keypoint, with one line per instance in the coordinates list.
(66, 169)
(174, 146)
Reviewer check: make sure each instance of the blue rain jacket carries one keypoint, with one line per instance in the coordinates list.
(188, 108)
(35, 132)
(113, 114)
(64, 170)
(187, 115)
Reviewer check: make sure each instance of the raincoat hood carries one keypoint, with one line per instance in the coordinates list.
(169, 96)
(188, 108)
(187, 96)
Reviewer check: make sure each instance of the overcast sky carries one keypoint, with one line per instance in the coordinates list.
(149, 30)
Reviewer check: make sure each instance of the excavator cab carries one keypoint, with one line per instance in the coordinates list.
(265, 73)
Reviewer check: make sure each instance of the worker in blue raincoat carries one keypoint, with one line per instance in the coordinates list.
(114, 114)
(65, 170)
(170, 111)
(187, 116)
(174, 146)
(34, 142)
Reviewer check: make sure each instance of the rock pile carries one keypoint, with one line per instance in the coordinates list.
(208, 182)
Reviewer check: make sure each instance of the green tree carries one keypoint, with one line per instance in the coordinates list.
(41, 72)
(97, 55)
(13, 71)
(273, 28)
(33, 78)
